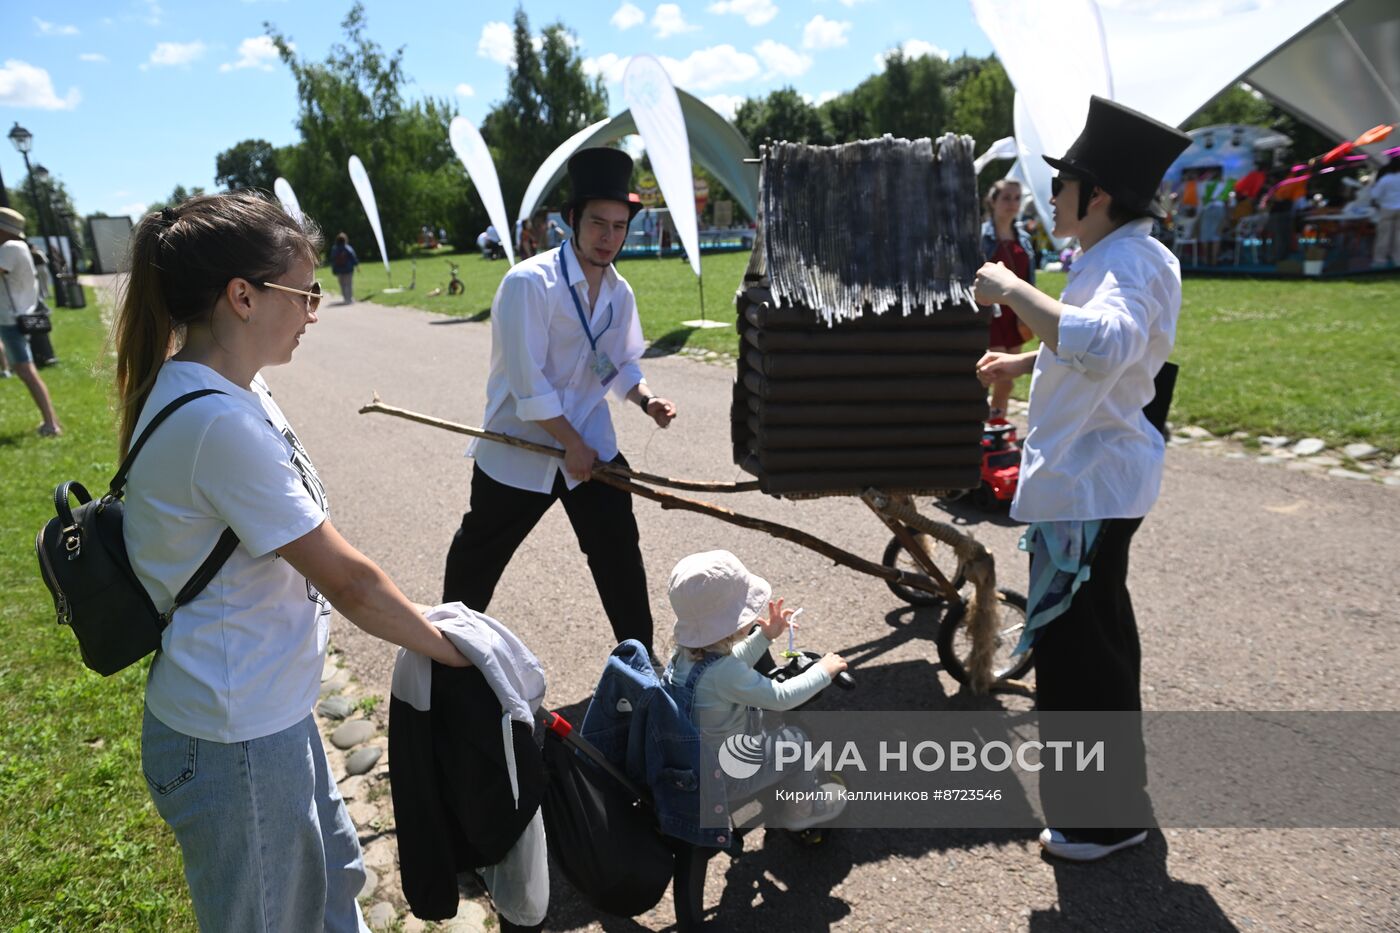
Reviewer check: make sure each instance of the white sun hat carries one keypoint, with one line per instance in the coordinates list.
(714, 596)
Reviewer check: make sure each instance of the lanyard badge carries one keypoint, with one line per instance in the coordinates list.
(599, 362)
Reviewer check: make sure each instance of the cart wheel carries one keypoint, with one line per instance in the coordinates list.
(955, 644)
(896, 556)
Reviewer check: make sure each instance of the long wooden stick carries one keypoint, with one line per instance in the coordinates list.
(624, 479)
(378, 407)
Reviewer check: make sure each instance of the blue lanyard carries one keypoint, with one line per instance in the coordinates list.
(578, 305)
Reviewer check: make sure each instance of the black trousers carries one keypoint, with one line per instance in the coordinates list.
(502, 516)
(1089, 659)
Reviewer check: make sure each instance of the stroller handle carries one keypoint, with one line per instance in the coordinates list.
(564, 730)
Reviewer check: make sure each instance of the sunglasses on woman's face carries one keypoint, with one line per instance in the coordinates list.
(313, 297)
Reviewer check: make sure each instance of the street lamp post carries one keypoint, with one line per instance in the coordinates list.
(23, 141)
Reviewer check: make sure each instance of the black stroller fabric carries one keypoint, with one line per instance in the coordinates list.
(604, 840)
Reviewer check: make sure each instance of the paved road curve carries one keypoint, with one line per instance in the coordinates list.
(1256, 589)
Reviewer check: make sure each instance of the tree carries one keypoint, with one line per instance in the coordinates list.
(782, 115)
(981, 106)
(249, 164)
(907, 99)
(549, 98)
(1240, 104)
(352, 104)
(178, 195)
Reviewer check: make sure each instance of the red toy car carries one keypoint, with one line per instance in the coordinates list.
(1001, 464)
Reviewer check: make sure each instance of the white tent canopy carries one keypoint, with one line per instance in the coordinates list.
(714, 144)
(1334, 65)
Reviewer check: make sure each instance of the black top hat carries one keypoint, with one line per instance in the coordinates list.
(603, 174)
(1125, 153)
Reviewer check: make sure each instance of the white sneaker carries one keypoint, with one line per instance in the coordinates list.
(823, 809)
(1066, 847)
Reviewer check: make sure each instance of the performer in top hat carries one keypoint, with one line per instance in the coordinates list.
(564, 332)
(1092, 461)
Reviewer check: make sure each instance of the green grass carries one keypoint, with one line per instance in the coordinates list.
(666, 289)
(81, 846)
(1297, 357)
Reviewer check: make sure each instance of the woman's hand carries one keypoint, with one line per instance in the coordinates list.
(1003, 367)
(661, 410)
(777, 622)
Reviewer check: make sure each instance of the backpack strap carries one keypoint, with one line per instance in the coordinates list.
(227, 541)
(115, 488)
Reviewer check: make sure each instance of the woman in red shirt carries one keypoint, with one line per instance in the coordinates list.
(1004, 241)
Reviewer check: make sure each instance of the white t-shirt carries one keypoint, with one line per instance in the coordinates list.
(242, 659)
(20, 292)
(1385, 193)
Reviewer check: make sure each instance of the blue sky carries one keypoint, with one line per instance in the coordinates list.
(127, 98)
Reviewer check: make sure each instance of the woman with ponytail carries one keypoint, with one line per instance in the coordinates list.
(221, 287)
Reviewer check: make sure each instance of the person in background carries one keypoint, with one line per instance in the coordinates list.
(1385, 201)
(19, 294)
(343, 263)
(42, 343)
(1004, 240)
(221, 287)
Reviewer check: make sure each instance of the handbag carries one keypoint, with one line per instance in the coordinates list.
(33, 323)
(83, 562)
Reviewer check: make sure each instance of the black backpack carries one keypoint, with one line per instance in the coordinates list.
(603, 836)
(83, 560)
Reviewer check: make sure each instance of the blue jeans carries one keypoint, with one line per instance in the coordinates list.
(267, 844)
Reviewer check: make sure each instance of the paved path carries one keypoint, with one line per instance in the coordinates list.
(1256, 588)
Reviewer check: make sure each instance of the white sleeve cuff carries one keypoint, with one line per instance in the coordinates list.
(539, 407)
(1076, 332)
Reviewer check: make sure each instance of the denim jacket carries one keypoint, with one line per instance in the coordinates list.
(989, 244)
(643, 725)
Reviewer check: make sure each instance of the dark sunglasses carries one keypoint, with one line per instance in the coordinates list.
(313, 297)
(1057, 184)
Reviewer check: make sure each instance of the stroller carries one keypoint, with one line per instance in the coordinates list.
(603, 829)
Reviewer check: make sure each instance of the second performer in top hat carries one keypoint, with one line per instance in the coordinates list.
(1092, 461)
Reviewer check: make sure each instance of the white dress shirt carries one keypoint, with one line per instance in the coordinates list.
(1090, 452)
(541, 365)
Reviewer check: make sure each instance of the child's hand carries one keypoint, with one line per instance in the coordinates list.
(833, 664)
(777, 622)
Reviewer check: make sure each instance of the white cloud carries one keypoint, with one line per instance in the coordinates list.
(782, 61)
(53, 29)
(754, 12)
(135, 210)
(669, 21)
(823, 33)
(497, 43)
(171, 54)
(26, 85)
(609, 65)
(154, 13)
(258, 52)
(705, 69)
(850, 3)
(628, 16)
(701, 70)
(912, 48)
(465, 90)
(725, 104)
(825, 96)
(92, 57)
